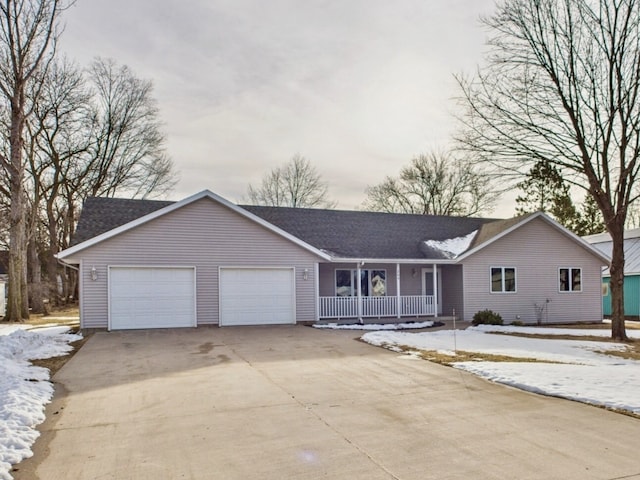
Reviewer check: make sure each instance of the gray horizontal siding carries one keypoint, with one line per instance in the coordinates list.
(537, 250)
(203, 234)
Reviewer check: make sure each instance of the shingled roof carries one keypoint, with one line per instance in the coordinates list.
(99, 215)
(355, 234)
(341, 233)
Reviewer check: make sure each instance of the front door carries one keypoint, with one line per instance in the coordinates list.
(427, 285)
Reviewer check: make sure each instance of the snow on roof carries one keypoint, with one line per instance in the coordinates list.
(452, 247)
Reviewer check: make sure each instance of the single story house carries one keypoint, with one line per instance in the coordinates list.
(631, 286)
(207, 261)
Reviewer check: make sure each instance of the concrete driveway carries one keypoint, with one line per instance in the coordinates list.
(299, 403)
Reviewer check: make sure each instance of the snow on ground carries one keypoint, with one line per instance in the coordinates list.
(375, 326)
(584, 375)
(577, 332)
(24, 388)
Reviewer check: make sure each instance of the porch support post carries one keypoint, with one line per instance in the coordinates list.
(316, 279)
(435, 290)
(359, 286)
(397, 290)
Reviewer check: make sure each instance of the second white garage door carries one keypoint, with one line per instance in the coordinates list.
(257, 296)
(151, 297)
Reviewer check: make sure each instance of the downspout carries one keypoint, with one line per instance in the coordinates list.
(316, 279)
(435, 290)
(397, 290)
(359, 286)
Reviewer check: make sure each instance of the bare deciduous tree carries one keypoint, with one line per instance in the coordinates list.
(562, 84)
(127, 151)
(296, 184)
(91, 133)
(27, 40)
(58, 137)
(434, 184)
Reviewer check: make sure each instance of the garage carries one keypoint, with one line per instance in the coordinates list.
(257, 296)
(151, 297)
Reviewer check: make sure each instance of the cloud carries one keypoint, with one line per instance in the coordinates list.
(357, 87)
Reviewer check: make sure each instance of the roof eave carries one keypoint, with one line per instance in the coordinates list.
(426, 261)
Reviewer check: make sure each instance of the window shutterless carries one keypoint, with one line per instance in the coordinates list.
(503, 279)
(570, 279)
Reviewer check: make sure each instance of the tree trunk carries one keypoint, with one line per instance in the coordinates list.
(616, 285)
(16, 263)
(17, 305)
(52, 261)
(36, 287)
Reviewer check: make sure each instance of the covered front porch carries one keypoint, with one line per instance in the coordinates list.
(382, 290)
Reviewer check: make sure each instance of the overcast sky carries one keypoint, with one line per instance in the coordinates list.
(358, 87)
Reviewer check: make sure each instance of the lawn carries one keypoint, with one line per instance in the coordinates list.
(579, 364)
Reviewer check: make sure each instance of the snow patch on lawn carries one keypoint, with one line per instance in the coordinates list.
(577, 332)
(583, 374)
(375, 326)
(25, 388)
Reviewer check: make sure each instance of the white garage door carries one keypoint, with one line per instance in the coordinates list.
(257, 296)
(151, 297)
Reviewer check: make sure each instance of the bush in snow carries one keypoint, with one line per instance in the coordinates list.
(487, 317)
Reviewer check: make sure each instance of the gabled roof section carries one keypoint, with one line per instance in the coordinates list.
(337, 235)
(101, 214)
(100, 229)
(368, 235)
(603, 242)
(606, 237)
(493, 231)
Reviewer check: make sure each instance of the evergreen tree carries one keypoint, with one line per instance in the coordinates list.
(545, 190)
(590, 221)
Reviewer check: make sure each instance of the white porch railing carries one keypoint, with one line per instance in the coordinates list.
(347, 307)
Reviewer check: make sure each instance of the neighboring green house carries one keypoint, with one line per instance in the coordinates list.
(602, 242)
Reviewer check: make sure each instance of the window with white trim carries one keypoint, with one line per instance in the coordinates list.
(570, 279)
(503, 280)
(373, 283)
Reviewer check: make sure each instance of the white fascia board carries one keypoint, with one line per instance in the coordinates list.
(425, 261)
(584, 244)
(69, 252)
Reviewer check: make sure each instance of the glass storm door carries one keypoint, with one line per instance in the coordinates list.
(427, 285)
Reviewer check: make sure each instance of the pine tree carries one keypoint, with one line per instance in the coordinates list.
(590, 221)
(546, 191)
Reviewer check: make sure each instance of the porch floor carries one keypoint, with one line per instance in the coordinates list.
(447, 321)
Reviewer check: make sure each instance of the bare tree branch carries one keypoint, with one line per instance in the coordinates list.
(561, 85)
(434, 184)
(296, 184)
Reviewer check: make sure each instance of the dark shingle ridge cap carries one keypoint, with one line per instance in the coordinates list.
(366, 212)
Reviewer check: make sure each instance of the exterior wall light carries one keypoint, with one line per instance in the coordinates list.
(94, 273)
(305, 274)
